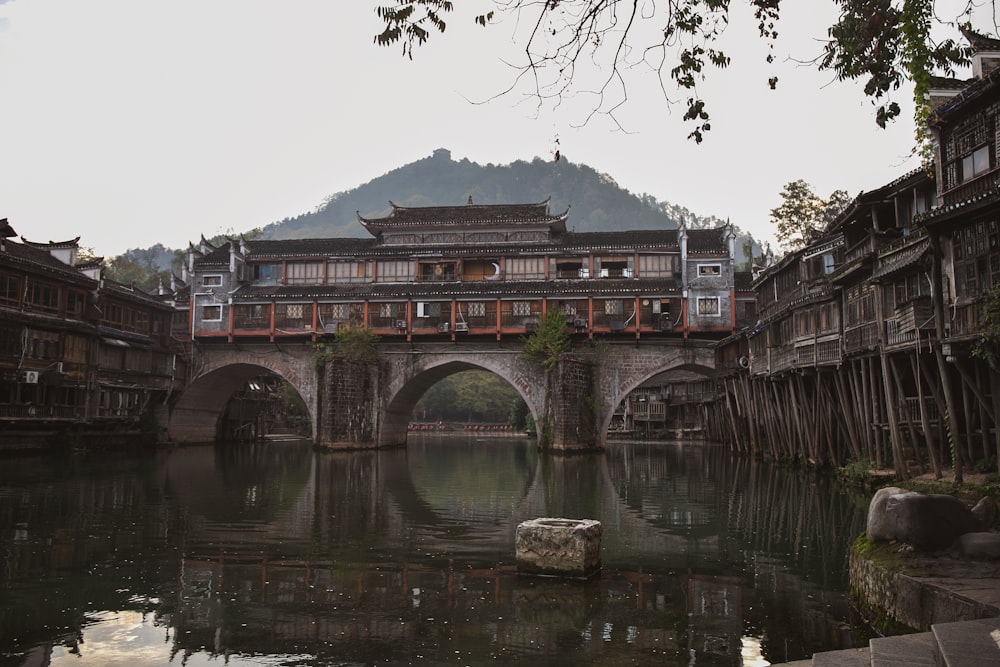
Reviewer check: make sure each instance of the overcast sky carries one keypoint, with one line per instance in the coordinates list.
(133, 122)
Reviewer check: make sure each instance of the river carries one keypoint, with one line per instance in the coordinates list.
(273, 554)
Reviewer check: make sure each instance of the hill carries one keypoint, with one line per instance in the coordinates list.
(597, 202)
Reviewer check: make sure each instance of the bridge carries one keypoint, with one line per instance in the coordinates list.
(448, 289)
(359, 406)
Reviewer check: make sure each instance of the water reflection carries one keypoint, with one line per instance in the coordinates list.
(269, 554)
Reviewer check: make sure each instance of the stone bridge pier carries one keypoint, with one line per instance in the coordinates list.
(360, 406)
(572, 407)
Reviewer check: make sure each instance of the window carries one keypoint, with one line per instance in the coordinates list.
(710, 270)
(977, 163)
(211, 281)
(708, 305)
(612, 267)
(44, 296)
(477, 309)
(10, 290)
(613, 307)
(394, 271)
(572, 268)
(525, 268)
(521, 309)
(432, 271)
(76, 304)
(653, 266)
(428, 309)
(211, 313)
(347, 272)
(267, 274)
(304, 273)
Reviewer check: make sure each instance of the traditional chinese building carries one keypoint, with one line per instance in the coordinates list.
(869, 346)
(467, 270)
(79, 356)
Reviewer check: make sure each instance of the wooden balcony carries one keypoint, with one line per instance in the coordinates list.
(985, 184)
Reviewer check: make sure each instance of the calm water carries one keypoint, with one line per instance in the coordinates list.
(271, 554)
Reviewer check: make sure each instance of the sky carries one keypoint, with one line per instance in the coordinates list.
(135, 122)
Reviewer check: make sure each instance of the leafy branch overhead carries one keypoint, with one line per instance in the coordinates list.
(883, 43)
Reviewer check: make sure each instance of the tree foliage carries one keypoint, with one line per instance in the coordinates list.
(987, 345)
(803, 214)
(471, 396)
(548, 341)
(883, 43)
(354, 343)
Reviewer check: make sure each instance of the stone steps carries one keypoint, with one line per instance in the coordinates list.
(959, 644)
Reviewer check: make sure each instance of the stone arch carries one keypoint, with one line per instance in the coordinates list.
(622, 371)
(195, 416)
(405, 389)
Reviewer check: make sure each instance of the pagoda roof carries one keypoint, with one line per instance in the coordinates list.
(468, 215)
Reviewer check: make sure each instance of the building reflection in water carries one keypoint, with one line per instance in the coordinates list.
(271, 554)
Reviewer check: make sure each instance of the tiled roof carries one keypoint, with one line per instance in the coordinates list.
(699, 241)
(980, 42)
(71, 243)
(641, 239)
(33, 258)
(131, 293)
(706, 241)
(743, 281)
(900, 259)
(467, 215)
(972, 92)
(949, 83)
(602, 288)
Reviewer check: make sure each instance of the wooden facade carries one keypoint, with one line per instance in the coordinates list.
(864, 349)
(448, 272)
(78, 353)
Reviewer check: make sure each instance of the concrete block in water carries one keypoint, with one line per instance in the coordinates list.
(559, 547)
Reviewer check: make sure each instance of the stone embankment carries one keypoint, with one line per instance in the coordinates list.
(926, 563)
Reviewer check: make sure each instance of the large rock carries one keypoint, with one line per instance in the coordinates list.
(559, 547)
(929, 522)
(977, 546)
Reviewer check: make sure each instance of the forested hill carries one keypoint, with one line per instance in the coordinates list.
(597, 202)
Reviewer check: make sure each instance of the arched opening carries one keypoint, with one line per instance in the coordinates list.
(238, 401)
(457, 396)
(664, 405)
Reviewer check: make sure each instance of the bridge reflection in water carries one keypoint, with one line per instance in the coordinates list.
(271, 554)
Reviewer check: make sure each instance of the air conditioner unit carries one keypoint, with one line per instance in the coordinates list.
(401, 324)
(580, 322)
(444, 327)
(461, 326)
(616, 324)
(743, 362)
(31, 377)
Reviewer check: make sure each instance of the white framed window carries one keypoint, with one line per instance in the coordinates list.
(213, 280)
(211, 313)
(708, 305)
